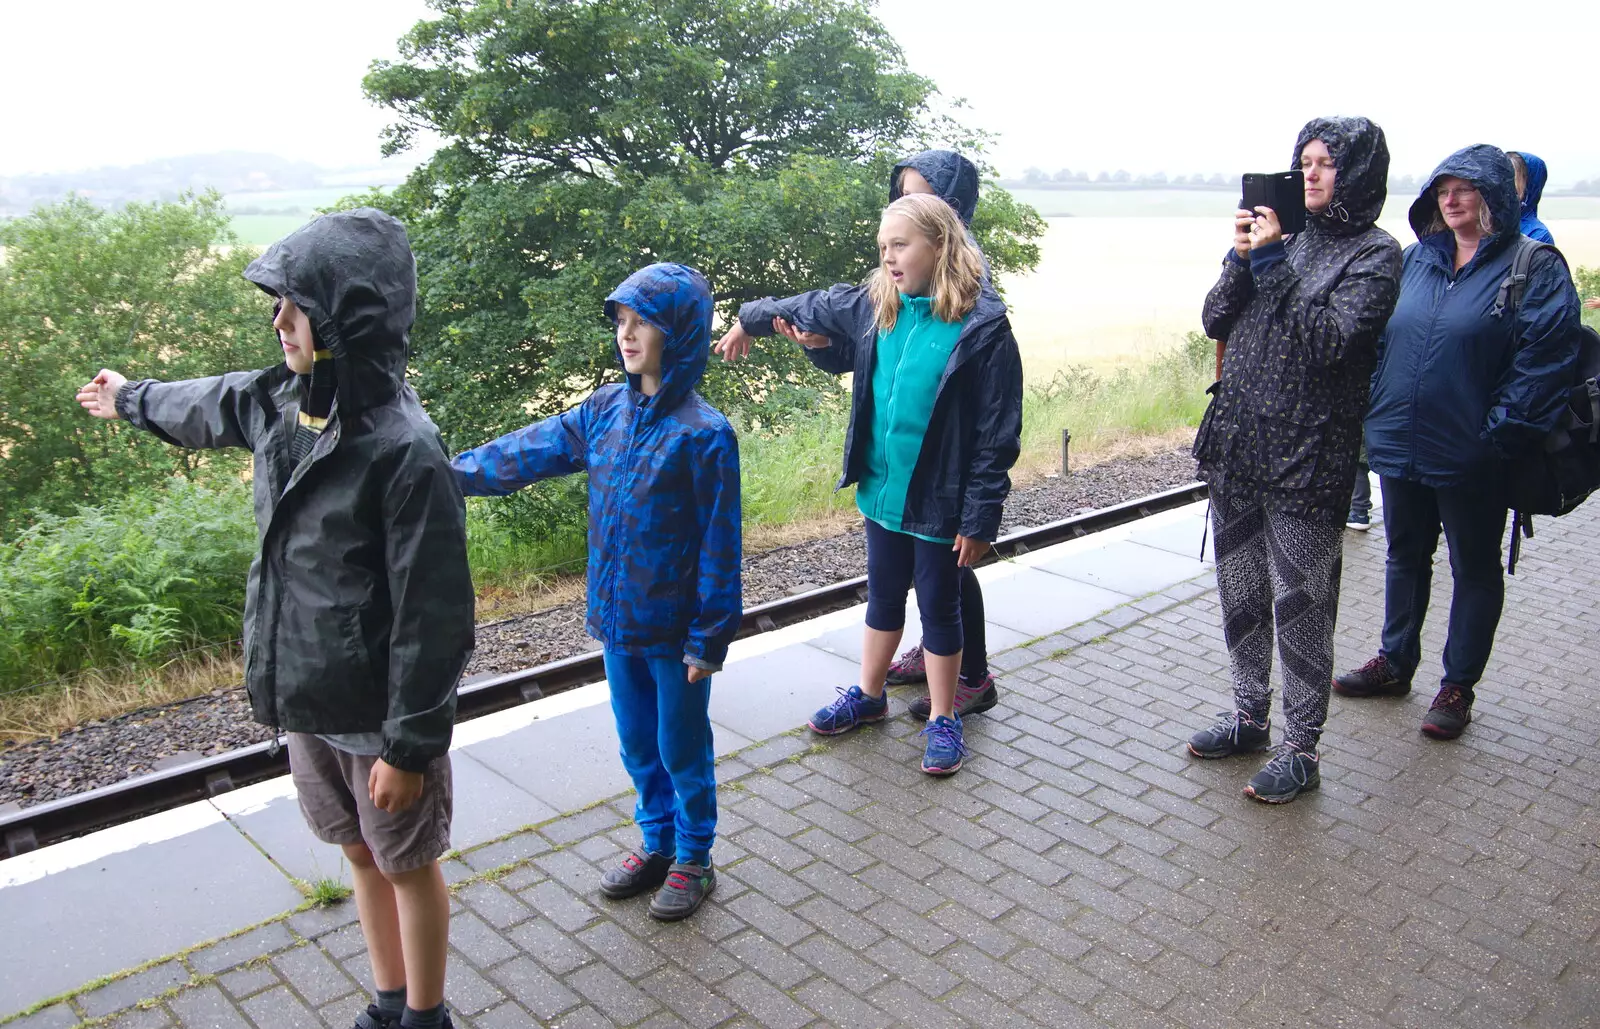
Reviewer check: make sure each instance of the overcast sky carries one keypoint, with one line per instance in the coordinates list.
(1148, 86)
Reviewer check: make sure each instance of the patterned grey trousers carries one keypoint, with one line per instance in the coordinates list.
(1275, 569)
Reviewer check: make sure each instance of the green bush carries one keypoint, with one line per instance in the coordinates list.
(1589, 289)
(140, 290)
(135, 581)
(1588, 280)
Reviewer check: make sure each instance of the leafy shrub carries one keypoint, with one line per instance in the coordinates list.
(133, 581)
(141, 290)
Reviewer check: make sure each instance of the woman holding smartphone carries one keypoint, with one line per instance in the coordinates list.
(1298, 318)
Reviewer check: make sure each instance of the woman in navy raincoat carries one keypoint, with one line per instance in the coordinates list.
(1462, 386)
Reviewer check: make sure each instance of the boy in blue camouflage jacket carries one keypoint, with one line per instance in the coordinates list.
(664, 561)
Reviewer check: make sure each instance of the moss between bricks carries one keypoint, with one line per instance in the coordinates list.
(195, 979)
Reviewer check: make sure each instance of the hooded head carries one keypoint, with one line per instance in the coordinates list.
(1538, 174)
(953, 177)
(676, 300)
(1491, 174)
(1361, 164)
(353, 275)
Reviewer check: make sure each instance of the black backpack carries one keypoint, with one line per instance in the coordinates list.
(1566, 469)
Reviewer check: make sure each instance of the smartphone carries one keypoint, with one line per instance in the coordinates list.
(1284, 192)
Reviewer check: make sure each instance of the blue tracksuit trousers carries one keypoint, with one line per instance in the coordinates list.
(664, 723)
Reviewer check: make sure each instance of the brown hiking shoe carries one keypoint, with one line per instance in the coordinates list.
(1450, 714)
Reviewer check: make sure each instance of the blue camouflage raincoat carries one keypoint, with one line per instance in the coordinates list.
(664, 515)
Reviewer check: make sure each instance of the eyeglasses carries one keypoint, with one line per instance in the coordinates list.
(1446, 192)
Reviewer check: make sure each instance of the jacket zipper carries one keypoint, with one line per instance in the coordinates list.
(1416, 379)
(894, 403)
(335, 433)
(616, 513)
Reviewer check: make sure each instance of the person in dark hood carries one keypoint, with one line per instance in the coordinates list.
(1463, 385)
(953, 179)
(1531, 176)
(358, 611)
(935, 426)
(664, 564)
(1298, 320)
(944, 173)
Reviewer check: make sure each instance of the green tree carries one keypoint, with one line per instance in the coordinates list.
(584, 138)
(143, 290)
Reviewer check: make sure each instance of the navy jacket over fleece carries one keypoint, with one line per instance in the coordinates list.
(962, 475)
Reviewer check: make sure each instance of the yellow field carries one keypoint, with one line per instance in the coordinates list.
(1116, 291)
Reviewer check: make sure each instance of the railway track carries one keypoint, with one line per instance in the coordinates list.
(57, 820)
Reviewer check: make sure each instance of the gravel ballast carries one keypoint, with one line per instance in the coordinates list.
(100, 753)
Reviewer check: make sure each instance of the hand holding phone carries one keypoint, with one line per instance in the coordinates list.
(1283, 192)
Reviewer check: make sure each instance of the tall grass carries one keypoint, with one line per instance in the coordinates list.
(1101, 410)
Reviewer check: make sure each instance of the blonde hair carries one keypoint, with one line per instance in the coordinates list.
(1520, 167)
(957, 267)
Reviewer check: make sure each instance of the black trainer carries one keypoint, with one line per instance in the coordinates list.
(1376, 678)
(637, 872)
(1450, 713)
(683, 892)
(372, 1018)
(1233, 733)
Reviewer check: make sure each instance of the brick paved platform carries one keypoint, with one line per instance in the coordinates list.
(1080, 871)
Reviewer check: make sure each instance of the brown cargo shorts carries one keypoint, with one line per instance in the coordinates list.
(332, 785)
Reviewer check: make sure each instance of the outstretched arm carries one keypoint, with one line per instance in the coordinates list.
(201, 414)
(544, 450)
(836, 317)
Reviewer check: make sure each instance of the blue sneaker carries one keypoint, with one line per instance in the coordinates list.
(1233, 733)
(945, 746)
(853, 708)
(1290, 773)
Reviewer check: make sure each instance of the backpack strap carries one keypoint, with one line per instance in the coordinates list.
(1592, 388)
(1521, 527)
(1516, 282)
